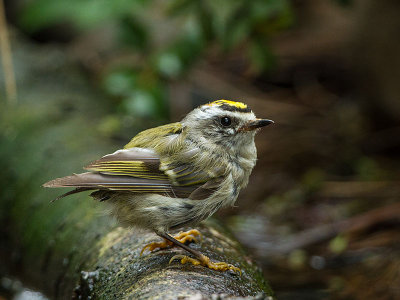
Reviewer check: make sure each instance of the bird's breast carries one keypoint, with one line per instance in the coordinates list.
(243, 164)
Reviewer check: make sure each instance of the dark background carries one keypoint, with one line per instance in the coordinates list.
(321, 213)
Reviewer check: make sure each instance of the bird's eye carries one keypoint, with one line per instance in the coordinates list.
(226, 121)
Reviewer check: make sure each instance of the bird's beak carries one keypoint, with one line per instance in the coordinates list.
(253, 125)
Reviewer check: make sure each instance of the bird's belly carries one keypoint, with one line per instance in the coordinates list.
(153, 211)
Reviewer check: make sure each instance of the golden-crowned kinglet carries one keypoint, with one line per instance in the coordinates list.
(177, 174)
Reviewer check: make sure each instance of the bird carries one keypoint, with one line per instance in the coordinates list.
(176, 174)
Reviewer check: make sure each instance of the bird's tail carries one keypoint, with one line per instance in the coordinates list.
(82, 182)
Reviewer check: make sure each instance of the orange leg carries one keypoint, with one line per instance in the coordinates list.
(182, 237)
(200, 258)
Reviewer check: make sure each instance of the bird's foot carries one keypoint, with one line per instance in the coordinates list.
(160, 245)
(206, 262)
(188, 236)
(183, 237)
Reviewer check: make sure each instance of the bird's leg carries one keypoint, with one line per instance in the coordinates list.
(182, 237)
(200, 259)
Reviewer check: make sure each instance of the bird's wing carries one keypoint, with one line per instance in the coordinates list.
(169, 140)
(169, 135)
(134, 162)
(138, 170)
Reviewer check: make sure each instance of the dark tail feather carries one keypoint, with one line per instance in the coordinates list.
(77, 190)
(83, 180)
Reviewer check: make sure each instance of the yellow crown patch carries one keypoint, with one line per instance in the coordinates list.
(238, 105)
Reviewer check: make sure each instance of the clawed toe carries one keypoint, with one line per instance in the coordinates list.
(206, 262)
(156, 245)
(188, 236)
(199, 259)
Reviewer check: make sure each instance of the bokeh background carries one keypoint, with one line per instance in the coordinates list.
(321, 214)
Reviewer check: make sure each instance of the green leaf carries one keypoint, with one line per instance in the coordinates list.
(338, 244)
(169, 64)
(133, 33)
(120, 83)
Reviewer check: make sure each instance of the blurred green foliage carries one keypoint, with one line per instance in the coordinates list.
(81, 13)
(191, 29)
(338, 244)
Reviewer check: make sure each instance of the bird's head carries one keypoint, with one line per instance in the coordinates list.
(223, 122)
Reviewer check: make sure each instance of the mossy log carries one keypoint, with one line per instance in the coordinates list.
(69, 249)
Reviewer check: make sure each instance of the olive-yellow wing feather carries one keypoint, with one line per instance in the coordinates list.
(137, 168)
(168, 161)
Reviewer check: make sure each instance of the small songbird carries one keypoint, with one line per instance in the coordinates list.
(176, 174)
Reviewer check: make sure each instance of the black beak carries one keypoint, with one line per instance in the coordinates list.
(258, 123)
